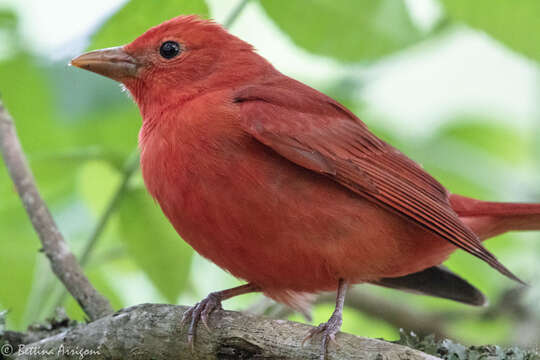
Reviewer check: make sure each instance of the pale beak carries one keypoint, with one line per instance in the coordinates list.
(113, 63)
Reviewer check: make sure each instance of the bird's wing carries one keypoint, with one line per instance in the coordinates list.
(317, 133)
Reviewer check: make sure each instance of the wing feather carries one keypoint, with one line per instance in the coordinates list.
(319, 134)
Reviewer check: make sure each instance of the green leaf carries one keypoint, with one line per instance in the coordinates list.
(18, 255)
(348, 30)
(137, 16)
(98, 181)
(8, 19)
(514, 23)
(498, 140)
(26, 94)
(154, 244)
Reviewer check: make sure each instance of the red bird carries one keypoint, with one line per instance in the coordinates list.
(282, 185)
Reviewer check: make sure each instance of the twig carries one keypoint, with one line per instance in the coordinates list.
(131, 167)
(63, 262)
(153, 331)
(397, 315)
(231, 18)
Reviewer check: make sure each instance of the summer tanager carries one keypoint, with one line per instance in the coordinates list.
(282, 185)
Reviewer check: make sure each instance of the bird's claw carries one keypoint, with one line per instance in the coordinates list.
(328, 330)
(200, 312)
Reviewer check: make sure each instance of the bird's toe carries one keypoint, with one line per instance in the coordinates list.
(328, 331)
(200, 312)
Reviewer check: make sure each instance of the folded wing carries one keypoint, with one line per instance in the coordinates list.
(319, 134)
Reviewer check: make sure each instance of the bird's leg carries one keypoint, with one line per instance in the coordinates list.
(330, 328)
(201, 310)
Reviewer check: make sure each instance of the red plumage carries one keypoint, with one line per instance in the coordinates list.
(280, 184)
(276, 182)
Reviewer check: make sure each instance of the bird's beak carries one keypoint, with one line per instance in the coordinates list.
(113, 63)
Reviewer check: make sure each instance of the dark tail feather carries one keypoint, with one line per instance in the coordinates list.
(437, 281)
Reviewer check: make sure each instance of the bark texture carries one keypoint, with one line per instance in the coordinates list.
(154, 331)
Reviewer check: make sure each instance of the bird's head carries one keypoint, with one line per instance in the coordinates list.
(186, 54)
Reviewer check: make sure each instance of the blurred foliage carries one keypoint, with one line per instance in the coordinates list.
(165, 259)
(8, 19)
(79, 129)
(353, 31)
(138, 15)
(514, 23)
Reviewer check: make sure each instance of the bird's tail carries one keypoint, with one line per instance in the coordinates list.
(488, 219)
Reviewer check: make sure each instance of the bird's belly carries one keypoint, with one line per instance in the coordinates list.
(280, 226)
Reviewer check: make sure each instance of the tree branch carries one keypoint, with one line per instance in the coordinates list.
(154, 331)
(63, 262)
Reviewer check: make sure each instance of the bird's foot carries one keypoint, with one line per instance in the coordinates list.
(328, 330)
(200, 312)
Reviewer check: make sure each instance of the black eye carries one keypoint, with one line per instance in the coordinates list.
(169, 49)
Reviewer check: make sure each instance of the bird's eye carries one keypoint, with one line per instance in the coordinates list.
(169, 49)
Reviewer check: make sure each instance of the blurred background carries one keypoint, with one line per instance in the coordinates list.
(452, 83)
